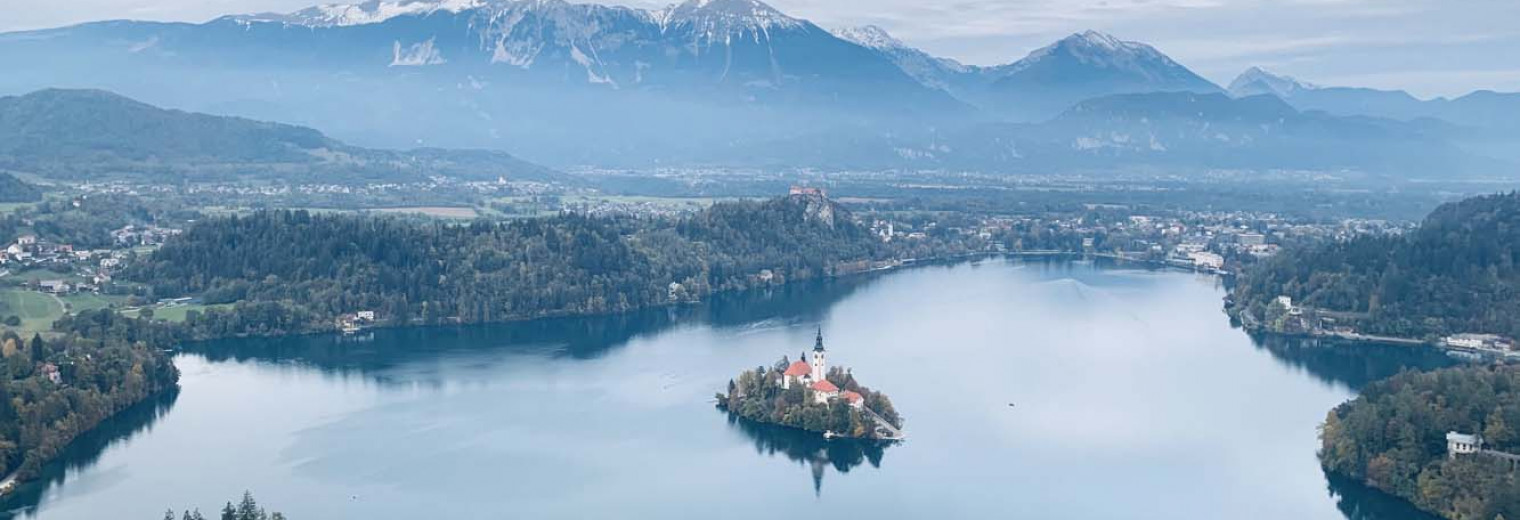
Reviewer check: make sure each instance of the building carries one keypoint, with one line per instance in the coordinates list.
(1462, 443)
(856, 400)
(1251, 239)
(823, 390)
(54, 286)
(1477, 341)
(1207, 260)
(50, 371)
(808, 190)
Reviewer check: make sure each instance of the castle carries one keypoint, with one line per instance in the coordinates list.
(814, 375)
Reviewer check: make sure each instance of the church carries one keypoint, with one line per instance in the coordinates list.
(814, 375)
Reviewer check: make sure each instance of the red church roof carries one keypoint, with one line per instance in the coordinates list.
(852, 396)
(825, 386)
(799, 369)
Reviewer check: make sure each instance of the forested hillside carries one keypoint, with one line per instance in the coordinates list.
(52, 390)
(296, 271)
(13, 190)
(1457, 273)
(96, 135)
(1393, 438)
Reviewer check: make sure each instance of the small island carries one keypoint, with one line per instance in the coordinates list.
(809, 395)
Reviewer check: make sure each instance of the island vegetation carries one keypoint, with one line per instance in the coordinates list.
(762, 395)
(1457, 273)
(1392, 437)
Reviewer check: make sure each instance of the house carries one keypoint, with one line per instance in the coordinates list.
(823, 390)
(50, 371)
(54, 286)
(1207, 260)
(27, 240)
(856, 400)
(806, 190)
(1462, 443)
(365, 315)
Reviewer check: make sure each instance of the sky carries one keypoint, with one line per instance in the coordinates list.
(1428, 47)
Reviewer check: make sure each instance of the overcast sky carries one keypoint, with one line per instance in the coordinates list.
(1429, 47)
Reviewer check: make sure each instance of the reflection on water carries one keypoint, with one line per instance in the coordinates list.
(1359, 502)
(576, 337)
(85, 451)
(1347, 363)
(809, 448)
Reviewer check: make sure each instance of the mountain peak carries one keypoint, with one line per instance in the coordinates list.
(869, 36)
(1256, 80)
(1093, 48)
(726, 16)
(1097, 39)
(364, 13)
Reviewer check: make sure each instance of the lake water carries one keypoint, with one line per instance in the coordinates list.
(1041, 389)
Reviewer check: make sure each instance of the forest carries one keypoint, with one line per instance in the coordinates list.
(1456, 273)
(294, 271)
(1392, 437)
(53, 389)
(758, 395)
(13, 190)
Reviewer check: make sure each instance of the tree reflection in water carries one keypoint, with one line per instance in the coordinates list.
(810, 448)
(85, 451)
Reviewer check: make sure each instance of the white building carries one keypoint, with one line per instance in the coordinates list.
(1462, 443)
(1207, 260)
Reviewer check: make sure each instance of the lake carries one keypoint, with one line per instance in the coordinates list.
(1041, 388)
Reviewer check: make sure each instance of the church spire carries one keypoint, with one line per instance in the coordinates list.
(818, 344)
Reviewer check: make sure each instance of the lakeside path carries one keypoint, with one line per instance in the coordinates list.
(895, 434)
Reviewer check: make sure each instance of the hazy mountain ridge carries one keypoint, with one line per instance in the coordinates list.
(96, 135)
(1481, 109)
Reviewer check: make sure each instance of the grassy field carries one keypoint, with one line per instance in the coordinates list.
(33, 275)
(177, 313)
(80, 302)
(459, 212)
(9, 207)
(38, 311)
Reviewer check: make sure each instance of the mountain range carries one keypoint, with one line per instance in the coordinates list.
(712, 82)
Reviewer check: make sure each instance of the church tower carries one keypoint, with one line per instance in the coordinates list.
(819, 368)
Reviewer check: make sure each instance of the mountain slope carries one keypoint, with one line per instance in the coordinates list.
(1085, 66)
(1174, 133)
(1481, 109)
(13, 190)
(91, 134)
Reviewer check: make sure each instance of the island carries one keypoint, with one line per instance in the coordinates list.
(809, 395)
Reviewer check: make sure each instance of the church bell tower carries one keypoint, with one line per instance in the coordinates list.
(820, 369)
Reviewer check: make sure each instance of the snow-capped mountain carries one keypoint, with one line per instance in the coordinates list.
(369, 12)
(1255, 81)
(941, 73)
(1084, 66)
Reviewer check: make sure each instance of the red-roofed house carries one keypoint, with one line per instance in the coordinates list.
(798, 371)
(854, 398)
(824, 390)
